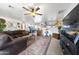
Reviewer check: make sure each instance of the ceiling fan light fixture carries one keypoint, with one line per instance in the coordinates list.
(33, 14)
(33, 11)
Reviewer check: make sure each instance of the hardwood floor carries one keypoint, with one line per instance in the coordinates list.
(54, 48)
(43, 46)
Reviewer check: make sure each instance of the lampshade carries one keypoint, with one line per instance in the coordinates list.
(58, 23)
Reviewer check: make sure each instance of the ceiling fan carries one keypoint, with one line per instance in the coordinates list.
(32, 11)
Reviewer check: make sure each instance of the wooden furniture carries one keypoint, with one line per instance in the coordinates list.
(56, 35)
(39, 32)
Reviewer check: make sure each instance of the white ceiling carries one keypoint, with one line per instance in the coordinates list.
(49, 11)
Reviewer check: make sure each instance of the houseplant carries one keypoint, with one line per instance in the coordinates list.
(2, 24)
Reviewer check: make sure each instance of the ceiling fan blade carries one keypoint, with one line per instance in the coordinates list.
(31, 9)
(25, 8)
(37, 9)
(27, 14)
(38, 14)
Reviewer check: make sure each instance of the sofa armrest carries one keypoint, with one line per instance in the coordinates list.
(16, 46)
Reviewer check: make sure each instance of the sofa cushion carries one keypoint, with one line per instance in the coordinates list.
(15, 46)
(4, 39)
(70, 37)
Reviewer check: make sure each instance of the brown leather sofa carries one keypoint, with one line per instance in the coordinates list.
(16, 33)
(12, 46)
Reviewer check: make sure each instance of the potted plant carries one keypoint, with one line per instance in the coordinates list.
(2, 24)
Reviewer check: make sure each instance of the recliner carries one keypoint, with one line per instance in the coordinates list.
(4, 39)
(70, 37)
(69, 48)
(67, 44)
(77, 45)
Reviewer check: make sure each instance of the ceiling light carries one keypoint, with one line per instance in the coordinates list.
(33, 14)
(33, 11)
